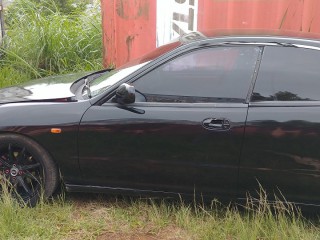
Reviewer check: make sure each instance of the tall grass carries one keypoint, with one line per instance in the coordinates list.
(43, 41)
(99, 217)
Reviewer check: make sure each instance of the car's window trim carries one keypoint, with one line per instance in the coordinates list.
(255, 75)
(181, 105)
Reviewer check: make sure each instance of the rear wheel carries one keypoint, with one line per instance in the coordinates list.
(27, 168)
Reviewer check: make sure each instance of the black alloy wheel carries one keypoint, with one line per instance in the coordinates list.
(26, 169)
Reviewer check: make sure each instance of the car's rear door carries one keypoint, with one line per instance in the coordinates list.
(183, 134)
(282, 138)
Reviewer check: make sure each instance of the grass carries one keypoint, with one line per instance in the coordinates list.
(91, 216)
(43, 41)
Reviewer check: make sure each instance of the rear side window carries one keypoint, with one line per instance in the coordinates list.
(288, 74)
(218, 74)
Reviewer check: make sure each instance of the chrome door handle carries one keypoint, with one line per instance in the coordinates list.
(217, 124)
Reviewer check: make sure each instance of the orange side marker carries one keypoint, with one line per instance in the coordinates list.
(56, 130)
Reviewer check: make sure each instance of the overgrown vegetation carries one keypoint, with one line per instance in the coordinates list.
(99, 217)
(42, 40)
(65, 6)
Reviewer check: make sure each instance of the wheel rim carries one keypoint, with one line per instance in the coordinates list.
(22, 171)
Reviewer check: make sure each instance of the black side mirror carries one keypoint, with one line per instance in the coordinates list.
(125, 94)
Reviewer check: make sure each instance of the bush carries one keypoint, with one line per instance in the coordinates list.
(42, 40)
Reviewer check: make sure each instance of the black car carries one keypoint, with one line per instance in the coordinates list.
(211, 116)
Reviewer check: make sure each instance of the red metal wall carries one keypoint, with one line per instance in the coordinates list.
(128, 29)
(130, 25)
(298, 15)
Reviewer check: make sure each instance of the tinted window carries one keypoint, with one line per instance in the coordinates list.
(288, 74)
(220, 74)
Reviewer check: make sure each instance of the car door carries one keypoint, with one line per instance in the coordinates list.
(282, 138)
(184, 132)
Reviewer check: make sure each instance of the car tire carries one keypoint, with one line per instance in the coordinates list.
(27, 168)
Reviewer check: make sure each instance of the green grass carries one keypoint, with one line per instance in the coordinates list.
(88, 216)
(42, 42)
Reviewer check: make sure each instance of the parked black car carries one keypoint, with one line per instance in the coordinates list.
(214, 116)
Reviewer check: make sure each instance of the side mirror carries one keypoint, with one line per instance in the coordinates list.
(125, 94)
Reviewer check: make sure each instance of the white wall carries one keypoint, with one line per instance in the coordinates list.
(175, 17)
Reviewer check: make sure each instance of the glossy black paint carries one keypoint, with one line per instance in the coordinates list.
(281, 151)
(167, 148)
(35, 120)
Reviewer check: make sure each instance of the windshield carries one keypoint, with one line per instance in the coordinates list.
(110, 78)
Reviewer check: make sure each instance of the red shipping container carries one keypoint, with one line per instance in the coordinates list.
(134, 27)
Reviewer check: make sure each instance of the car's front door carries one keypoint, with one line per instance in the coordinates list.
(281, 151)
(185, 133)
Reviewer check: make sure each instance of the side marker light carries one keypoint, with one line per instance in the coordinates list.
(56, 130)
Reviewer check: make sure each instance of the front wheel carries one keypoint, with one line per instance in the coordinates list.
(27, 168)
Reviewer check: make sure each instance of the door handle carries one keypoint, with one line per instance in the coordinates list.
(216, 124)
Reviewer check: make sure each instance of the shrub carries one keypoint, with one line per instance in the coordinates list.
(41, 40)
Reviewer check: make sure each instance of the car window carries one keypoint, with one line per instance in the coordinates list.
(218, 74)
(288, 74)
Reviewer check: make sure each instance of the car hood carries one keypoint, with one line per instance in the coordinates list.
(54, 88)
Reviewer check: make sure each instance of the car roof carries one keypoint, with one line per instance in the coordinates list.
(252, 35)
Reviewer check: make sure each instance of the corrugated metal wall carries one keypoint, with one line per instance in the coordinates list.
(298, 15)
(130, 26)
(128, 29)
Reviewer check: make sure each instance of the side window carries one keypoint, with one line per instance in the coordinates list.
(288, 74)
(219, 74)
